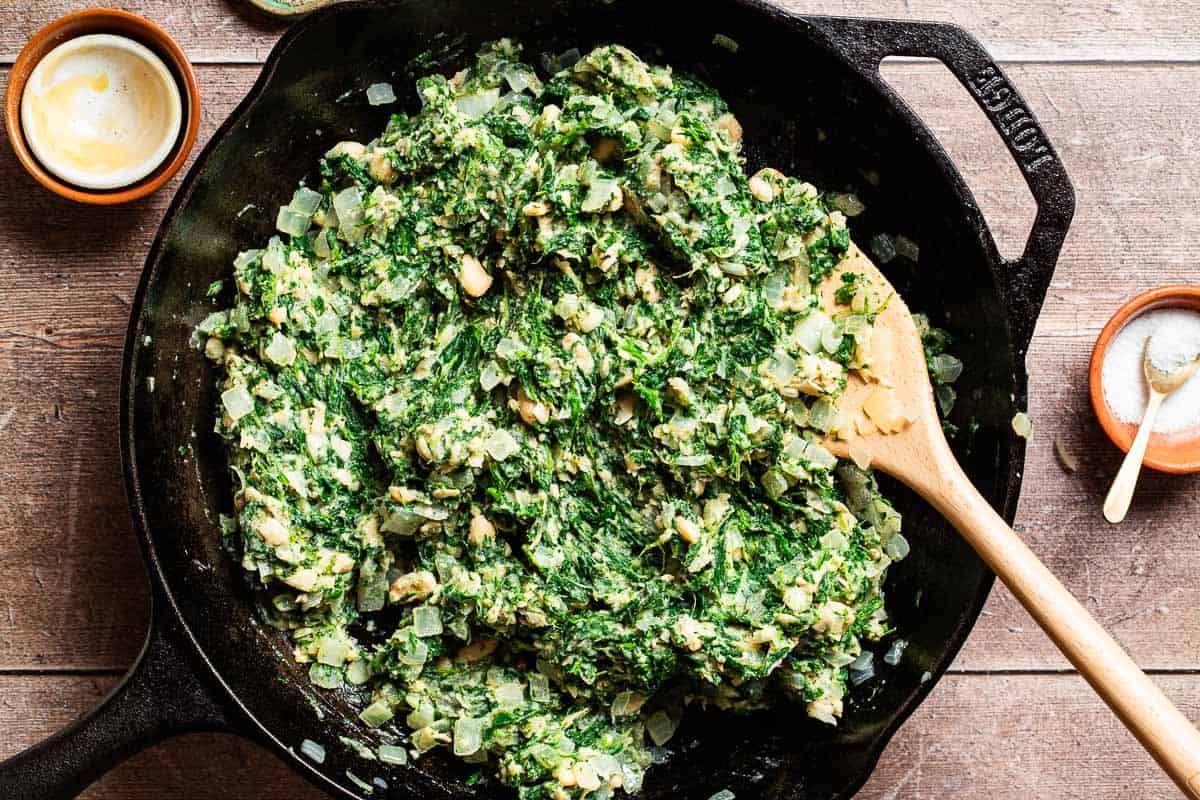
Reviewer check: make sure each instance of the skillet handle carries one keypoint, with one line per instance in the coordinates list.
(867, 42)
(160, 697)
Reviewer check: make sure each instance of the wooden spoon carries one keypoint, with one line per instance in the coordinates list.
(919, 455)
(1161, 383)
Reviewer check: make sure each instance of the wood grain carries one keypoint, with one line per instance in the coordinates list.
(974, 737)
(227, 31)
(75, 588)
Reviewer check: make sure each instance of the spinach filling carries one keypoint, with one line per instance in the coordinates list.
(525, 409)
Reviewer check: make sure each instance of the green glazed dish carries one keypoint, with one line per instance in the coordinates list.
(289, 8)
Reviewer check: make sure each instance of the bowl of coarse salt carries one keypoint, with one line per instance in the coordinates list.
(1171, 315)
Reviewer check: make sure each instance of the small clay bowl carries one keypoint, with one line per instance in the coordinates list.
(1178, 451)
(121, 23)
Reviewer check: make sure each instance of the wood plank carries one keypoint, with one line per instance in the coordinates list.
(208, 30)
(1010, 737)
(195, 767)
(77, 591)
(217, 31)
(67, 272)
(1001, 737)
(1135, 179)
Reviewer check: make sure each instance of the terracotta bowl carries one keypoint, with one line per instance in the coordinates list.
(1178, 451)
(104, 20)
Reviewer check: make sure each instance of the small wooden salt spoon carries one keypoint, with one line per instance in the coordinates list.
(918, 455)
(1160, 384)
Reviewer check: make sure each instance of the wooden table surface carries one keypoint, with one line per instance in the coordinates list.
(1116, 84)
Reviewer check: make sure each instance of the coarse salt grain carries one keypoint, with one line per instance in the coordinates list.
(1176, 334)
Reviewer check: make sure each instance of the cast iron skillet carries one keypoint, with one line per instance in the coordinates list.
(809, 95)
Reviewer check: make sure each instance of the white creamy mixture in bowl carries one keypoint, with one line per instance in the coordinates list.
(101, 111)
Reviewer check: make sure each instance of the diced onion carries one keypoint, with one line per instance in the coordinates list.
(427, 621)
(1022, 425)
(724, 794)
(539, 688)
(376, 714)
(565, 60)
(586, 777)
(509, 695)
(332, 651)
(415, 654)
(500, 445)
(661, 727)
(897, 547)
(435, 513)
(861, 676)
(348, 203)
(599, 195)
(839, 658)
(848, 203)
(305, 201)
(393, 754)
(292, 222)
(865, 660)
(468, 735)
(237, 401)
(721, 40)
(893, 654)
(1065, 457)
(834, 541)
(819, 456)
(507, 348)
(631, 777)
(625, 704)
(281, 350)
(380, 94)
(325, 676)
(781, 367)
(245, 258)
(882, 407)
(822, 414)
(945, 368)
(831, 337)
(402, 522)
(490, 376)
(476, 105)
(420, 717)
(946, 397)
(605, 765)
(274, 258)
(808, 332)
(314, 751)
(908, 248)
(358, 672)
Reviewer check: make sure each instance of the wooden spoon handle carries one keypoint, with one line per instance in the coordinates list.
(1161, 728)
(1116, 505)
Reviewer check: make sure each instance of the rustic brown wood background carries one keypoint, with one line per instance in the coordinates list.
(1116, 84)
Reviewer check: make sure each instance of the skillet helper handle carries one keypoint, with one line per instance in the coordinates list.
(867, 42)
(161, 696)
(1159, 726)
